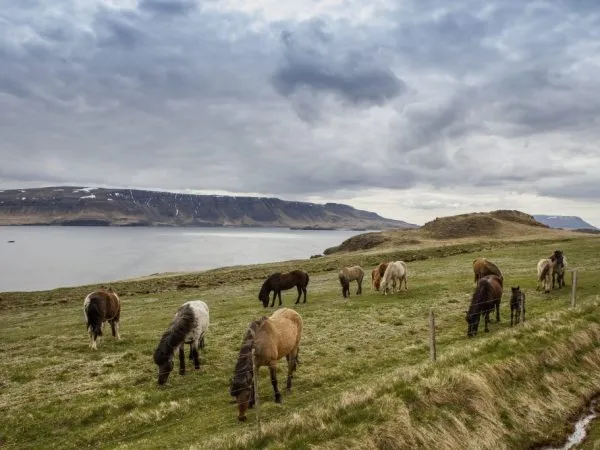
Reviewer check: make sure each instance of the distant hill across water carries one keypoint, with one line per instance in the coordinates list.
(75, 205)
(565, 222)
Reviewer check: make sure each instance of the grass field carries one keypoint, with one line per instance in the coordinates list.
(365, 380)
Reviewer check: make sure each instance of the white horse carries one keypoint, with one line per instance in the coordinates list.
(188, 327)
(396, 272)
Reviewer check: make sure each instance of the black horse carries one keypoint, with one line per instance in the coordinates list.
(278, 282)
(558, 268)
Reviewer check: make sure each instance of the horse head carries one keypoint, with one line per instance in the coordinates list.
(164, 361)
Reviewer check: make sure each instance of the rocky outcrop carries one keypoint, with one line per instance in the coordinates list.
(69, 205)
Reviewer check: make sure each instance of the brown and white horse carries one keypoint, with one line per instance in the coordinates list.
(98, 307)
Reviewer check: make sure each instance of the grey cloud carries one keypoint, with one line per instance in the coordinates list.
(314, 60)
(168, 7)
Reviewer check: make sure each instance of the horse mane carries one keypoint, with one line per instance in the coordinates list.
(181, 325)
(242, 375)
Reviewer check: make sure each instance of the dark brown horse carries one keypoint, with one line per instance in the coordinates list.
(483, 267)
(271, 338)
(487, 295)
(278, 282)
(558, 268)
(517, 304)
(98, 307)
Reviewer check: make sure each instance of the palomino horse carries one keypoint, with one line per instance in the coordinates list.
(487, 295)
(272, 338)
(517, 303)
(98, 307)
(348, 274)
(376, 275)
(188, 327)
(544, 273)
(278, 282)
(483, 267)
(396, 272)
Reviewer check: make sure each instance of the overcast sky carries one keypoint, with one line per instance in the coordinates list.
(413, 109)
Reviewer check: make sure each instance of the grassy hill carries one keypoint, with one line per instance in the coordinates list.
(501, 225)
(365, 380)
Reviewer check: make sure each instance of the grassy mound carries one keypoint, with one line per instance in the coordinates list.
(365, 380)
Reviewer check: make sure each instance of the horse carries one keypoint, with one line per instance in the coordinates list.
(517, 303)
(348, 274)
(278, 282)
(487, 295)
(189, 326)
(559, 262)
(376, 275)
(272, 338)
(102, 306)
(395, 272)
(483, 267)
(544, 273)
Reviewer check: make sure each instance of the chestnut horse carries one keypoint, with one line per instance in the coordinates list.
(278, 282)
(272, 338)
(377, 274)
(98, 307)
(487, 295)
(483, 267)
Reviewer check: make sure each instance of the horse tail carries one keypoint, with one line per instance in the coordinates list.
(94, 316)
(545, 271)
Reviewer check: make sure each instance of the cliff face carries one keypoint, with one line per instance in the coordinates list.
(69, 205)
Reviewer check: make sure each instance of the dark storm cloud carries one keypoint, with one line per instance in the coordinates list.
(179, 94)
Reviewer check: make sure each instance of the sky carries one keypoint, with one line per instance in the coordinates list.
(413, 109)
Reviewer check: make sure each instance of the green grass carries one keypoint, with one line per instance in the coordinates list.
(365, 380)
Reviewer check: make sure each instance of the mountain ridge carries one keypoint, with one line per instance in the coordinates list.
(78, 205)
(565, 222)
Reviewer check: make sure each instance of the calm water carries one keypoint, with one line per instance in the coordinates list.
(50, 257)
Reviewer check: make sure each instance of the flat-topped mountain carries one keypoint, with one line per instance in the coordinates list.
(72, 205)
(565, 222)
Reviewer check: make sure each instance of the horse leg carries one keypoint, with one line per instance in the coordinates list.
(273, 301)
(273, 371)
(359, 291)
(299, 293)
(486, 320)
(498, 311)
(279, 295)
(181, 360)
(113, 327)
(292, 361)
(304, 291)
(196, 357)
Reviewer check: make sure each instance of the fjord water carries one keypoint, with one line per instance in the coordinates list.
(47, 257)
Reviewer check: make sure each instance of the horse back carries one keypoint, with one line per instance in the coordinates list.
(105, 302)
(279, 335)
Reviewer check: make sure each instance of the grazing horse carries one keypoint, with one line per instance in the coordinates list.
(189, 325)
(517, 303)
(487, 295)
(544, 273)
(395, 272)
(348, 274)
(483, 267)
(376, 275)
(559, 263)
(278, 282)
(272, 338)
(98, 307)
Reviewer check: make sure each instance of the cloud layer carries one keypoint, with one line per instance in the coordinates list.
(311, 99)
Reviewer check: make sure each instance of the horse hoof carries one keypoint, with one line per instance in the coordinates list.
(181, 372)
(278, 398)
(242, 419)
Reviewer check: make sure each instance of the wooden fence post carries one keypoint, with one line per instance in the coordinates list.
(256, 400)
(432, 349)
(573, 287)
